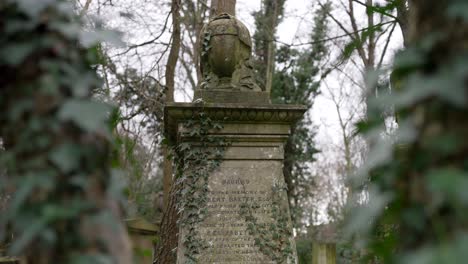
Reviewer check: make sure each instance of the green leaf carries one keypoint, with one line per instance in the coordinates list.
(26, 184)
(445, 252)
(88, 115)
(450, 183)
(66, 157)
(71, 30)
(409, 59)
(16, 53)
(350, 48)
(459, 10)
(27, 236)
(383, 10)
(34, 7)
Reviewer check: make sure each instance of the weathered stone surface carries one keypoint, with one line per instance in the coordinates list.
(232, 96)
(263, 119)
(224, 229)
(144, 236)
(323, 253)
(226, 50)
(249, 173)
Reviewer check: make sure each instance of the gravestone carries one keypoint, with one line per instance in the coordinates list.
(144, 236)
(247, 219)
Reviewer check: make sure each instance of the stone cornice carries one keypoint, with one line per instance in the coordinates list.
(174, 113)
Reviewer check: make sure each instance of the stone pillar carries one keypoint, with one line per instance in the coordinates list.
(323, 253)
(250, 173)
(246, 214)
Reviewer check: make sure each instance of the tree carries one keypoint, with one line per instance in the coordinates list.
(376, 31)
(402, 10)
(267, 20)
(194, 15)
(222, 6)
(297, 82)
(57, 141)
(418, 181)
(168, 239)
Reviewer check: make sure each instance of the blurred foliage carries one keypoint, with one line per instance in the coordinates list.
(417, 199)
(57, 139)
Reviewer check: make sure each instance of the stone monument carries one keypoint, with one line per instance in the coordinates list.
(247, 219)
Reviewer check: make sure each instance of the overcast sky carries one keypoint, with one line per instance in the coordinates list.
(293, 29)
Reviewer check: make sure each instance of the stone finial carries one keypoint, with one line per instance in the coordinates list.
(225, 61)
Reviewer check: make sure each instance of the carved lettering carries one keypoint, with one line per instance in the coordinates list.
(225, 229)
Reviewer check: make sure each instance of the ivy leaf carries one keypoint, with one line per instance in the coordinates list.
(66, 157)
(34, 7)
(88, 115)
(27, 184)
(15, 54)
(450, 183)
(27, 236)
(459, 10)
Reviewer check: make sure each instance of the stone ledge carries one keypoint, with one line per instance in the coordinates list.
(174, 113)
(141, 226)
(232, 96)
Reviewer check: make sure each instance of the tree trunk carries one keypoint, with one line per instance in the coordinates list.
(174, 52)
(223, 6)
(270, 59)
(267, 20)
(288, 167)
(170, 83)
(164, 252)
(402, 16)
(168, 237)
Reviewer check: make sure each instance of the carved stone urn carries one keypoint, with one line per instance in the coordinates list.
(225, 53)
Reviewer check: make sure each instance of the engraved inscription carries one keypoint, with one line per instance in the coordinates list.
(224, 229)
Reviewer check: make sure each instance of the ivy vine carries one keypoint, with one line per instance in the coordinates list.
(272, 238)
(195, 159)
(206, 43)
(205, 49)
